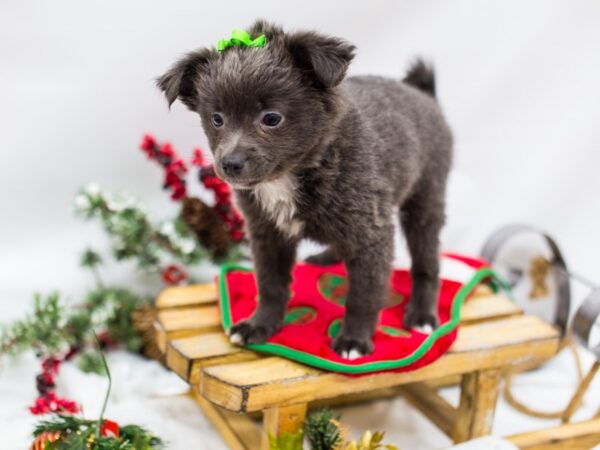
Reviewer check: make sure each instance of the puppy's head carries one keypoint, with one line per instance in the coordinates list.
(264, 110)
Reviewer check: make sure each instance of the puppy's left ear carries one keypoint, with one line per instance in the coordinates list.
(180, 80)
(325, 59)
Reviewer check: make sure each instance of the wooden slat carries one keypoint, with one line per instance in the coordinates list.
(574, 436)
(431, 405)
(183, 320)
(237, 430)
(178, 296)
(188, 356)
(487, 307)
(176, 323)
(272, 381)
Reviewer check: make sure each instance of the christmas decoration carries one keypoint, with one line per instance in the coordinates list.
(57, 333)
(315, 313)
(286, 441)
(324, 431)
(321, 430)
(67, 432)
(219, 227)
(133, 236)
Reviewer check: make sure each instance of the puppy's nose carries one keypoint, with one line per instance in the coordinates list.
(233, 163)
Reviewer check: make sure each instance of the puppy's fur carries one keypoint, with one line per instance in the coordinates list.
(347, 153)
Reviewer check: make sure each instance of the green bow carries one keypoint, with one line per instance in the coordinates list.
(241, 38)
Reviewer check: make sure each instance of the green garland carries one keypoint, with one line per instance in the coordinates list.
(54, 327)
(81, 434)
(133, 236)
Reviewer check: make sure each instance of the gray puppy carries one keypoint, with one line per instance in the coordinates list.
(311, 154)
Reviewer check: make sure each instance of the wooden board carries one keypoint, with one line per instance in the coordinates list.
(179, 296)
(187, 351)
(270, 381)
(227, 379)
(176, 323)
(574, 436)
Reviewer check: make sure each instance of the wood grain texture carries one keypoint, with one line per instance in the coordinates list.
(488, 307)
(187, 352)
(573, 436)
(273, 381)
(178, 296)
(478, 396)
(187, 356)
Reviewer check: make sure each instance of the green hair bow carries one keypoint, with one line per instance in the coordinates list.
(241, 38)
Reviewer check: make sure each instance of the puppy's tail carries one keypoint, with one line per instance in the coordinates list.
(421, 76)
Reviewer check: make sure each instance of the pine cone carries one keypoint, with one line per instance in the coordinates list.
(143, 322)
(207, 226)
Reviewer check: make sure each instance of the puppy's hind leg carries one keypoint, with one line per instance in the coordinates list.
(422, 217)
(326, 258)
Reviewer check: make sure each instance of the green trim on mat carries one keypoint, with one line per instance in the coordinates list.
(334, 366)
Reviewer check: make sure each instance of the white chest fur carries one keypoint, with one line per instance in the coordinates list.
(278, 200)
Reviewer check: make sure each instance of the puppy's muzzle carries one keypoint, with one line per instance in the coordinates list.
(233, 164)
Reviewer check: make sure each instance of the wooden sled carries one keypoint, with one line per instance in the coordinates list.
(234, 386)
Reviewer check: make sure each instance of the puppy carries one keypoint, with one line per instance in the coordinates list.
(312, 154)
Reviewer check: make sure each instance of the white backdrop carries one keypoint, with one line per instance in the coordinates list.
(517, 80)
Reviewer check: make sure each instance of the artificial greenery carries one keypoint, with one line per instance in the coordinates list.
(54, 327)
(324, 432)
(321, 430)
(133, 236)
(42, 331)
(286, 441)
(81, 434)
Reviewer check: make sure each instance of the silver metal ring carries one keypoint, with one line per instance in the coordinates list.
(499, 238)
(586, 317)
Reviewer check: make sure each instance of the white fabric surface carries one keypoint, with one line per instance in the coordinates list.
(518, 81)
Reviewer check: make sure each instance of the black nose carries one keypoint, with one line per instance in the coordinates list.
(233, 164)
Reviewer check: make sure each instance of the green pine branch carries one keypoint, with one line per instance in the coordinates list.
(133, 236)
(321, 432)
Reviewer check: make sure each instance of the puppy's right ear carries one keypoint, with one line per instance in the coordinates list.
(180, 80)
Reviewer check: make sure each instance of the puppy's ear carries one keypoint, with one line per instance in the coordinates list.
(180, 80)
(325, 59)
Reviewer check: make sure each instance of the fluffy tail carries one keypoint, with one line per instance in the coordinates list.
(421, 76)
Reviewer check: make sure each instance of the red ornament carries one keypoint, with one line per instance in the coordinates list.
(172, 275)
(110, 429)
(50, 403)
(46, 437)
(198, 159)
(174, 180)
(147, 145)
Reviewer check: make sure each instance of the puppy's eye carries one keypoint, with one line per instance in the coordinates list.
(271, 119)
(217, 120)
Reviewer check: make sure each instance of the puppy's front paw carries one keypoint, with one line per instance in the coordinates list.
(247, 332)
(351, 348)
(422, 321)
